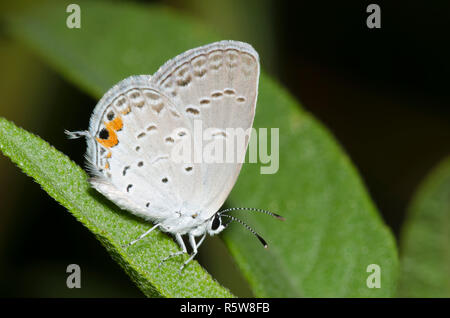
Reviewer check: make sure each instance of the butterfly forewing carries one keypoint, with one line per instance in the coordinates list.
(216, 85)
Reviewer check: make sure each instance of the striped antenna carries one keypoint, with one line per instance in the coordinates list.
(263, 242)
(253, 210)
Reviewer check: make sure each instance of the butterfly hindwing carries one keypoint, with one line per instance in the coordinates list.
(133, 130)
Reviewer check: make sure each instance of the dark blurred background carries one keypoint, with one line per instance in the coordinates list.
(382, 92)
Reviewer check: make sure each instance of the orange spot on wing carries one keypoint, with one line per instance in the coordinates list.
(111, 141)
(108, 155)
(111, 127)
(115, 124)
(107, 165)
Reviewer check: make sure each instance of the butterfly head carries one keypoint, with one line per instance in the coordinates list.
(215, 225)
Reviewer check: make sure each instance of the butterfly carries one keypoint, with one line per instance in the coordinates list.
(138, 122)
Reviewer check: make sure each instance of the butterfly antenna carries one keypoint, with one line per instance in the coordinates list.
(254, 210)
(263, 242)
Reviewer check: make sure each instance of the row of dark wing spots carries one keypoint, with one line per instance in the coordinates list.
(214, 59)
(183, 71)
(137, 99)
(143, 134)
(165, 81)
(218, 94)
(228, 92)
(124, 171)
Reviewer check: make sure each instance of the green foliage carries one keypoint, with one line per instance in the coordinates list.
(332, 230)
(425, 242)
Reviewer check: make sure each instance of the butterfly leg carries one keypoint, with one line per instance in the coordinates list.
(183, 249)
(195, 247)
(142, 236)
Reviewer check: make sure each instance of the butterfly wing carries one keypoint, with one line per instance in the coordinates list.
(217, 84)
(131, 134)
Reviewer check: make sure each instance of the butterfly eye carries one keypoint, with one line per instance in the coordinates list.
(216, 223)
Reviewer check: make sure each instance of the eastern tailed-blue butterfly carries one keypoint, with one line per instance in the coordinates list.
(137, 123)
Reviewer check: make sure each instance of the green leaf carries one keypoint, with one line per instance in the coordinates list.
(332, 230)
(425, 239)
(67, 183)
